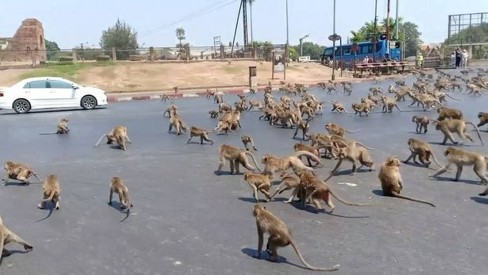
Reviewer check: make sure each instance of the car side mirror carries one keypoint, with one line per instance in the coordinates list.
(75, 87)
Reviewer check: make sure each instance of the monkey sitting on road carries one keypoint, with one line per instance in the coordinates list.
(51, 192)
(18, 171)
(63, 127)
(235, 156)
(248, 140)
(258, 182)
(423, 150)
(199, 132)
(391, 180)
(6, 237)
(117, 134)
(279, 236)
(462, 158)
(449, 126)
(117, 186)
(422, 122)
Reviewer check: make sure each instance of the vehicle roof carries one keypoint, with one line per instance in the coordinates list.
(44, 78)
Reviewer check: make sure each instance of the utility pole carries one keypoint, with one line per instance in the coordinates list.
(301, 46)
(333, 42)
(396, 20)
(287, 42)
(375, 29)
(250, 10)
(244, 22)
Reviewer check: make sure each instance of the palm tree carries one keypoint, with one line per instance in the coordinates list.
(180, 34)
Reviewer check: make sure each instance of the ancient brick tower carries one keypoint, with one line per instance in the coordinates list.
(28, 38)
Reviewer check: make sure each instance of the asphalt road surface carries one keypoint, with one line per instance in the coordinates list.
(187, 220)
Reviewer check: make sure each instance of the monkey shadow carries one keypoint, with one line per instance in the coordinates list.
(446, 179)
(227, 173)
(454, 145)
(253, 252)
(118, 206)
(347, 172)
(252, 200)
(480, 200)
(198, 142)
(49, 206)
(379, 192)
(419, 165)
(310, 209)
(417, 133)
(16, 183)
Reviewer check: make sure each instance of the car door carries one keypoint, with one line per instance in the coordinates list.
(62, 92)
(39, 94)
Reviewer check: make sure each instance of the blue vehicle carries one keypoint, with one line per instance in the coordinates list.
(350, 54)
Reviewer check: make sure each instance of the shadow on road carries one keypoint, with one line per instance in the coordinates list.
(480, 200)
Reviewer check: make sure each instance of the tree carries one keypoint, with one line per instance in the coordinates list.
(473, 34)
(180, 34)
(121, 36)
(52, 49)
(311, 49)
(408, 33)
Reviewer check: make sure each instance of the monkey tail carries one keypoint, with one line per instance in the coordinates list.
(399, 108)
(395, 194)
(307, 154)
(453, 97)
(334, 268)
(45, 134)
(477, 131)
(254, 160)
(346, 202)
(435, 159)
(35, 175)
(352, 132)
(100, 139)
(360, 144)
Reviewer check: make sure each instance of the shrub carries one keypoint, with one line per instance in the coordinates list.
(103, 58)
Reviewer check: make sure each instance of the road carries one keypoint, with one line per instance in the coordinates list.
(187, 220)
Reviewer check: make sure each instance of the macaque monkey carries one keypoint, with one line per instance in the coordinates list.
(304, 147)
(462, 158)
(171, 108)
(483, 119)
(274, 164)
(117, 186)
(279, 236)
(339, 107)
(213, 113)
(353, 153)
(51, 192)
(199, 132)
(235, 156)
(18, 171)
(360, 108)
(304, 127)
(391, 180)
(117, 134)
(176, 121)
(448, 126)
(452, 113)
(248, 140)
(422, 150)
(290, 181)
(6, 237)
(389, 103)
(223, 126)
(63, 126)
(165, 98)
(336, 129)
(258, 182)
(422, 122)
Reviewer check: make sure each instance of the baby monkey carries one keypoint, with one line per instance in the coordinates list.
(246, 140)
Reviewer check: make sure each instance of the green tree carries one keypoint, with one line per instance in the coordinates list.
(411, 37)
(266, 47)
(52, 49)
(311, 49)
(121, 36)
(474, 34)
(180, 34)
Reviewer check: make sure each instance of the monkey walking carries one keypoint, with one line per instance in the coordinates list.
(422, 150)
(235, 156)
(199, 132)
(248, 140)
(279, 236)
(51, 192)
(462, 158)
(422, 122)
(18, 171)
(117, 134)
(290, 181)
(117, 186)
(336, 129)
(6, 237)
(391, 180)
(449, 126)
(258, 182)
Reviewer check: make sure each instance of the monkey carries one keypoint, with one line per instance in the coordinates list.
(18, 171)
(117, 186)
(449, 126)
(199, 132)
(236, 156)
(452, 113)
(464, 158)
(339, 107)
(483, 119)
(218, 98)
(213, 113)
(304, 147)
(275, 164)
(255, 104)
(6, 237)
(353, 153)
(391, 180)
(389, 103)
(176, 121)
(165, 98)
(51, 192)
(279, 236)
(248, 140)
(304, 127)
(258, 182)
(360, 108)
(171, 108)
(117, 134)
(63, 126)
(423, 150)
(317, 189)
(336, 129)
(223, 126)
(290, 181)
(422, 122)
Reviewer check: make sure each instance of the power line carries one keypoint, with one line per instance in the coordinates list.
(213, 7)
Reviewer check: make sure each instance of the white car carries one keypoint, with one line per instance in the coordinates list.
(49, 92)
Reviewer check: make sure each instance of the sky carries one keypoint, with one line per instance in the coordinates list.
(72, 22)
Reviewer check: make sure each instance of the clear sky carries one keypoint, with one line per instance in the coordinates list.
(71, 22)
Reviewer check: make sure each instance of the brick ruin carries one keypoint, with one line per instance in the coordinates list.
(27, 45)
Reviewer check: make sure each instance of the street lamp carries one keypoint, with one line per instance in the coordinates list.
(250, 9)
(301, 48)
(334, 40)
(287, 42)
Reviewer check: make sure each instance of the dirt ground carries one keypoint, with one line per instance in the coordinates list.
(131, 77)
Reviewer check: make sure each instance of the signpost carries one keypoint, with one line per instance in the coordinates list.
(334, 37)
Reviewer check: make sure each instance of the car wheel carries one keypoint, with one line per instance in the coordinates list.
(88, 102)
(21, 106)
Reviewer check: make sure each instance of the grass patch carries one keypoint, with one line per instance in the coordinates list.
(68, 71)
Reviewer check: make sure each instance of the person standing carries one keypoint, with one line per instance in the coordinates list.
(465, 58)
(420, 61)
(458, 57)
